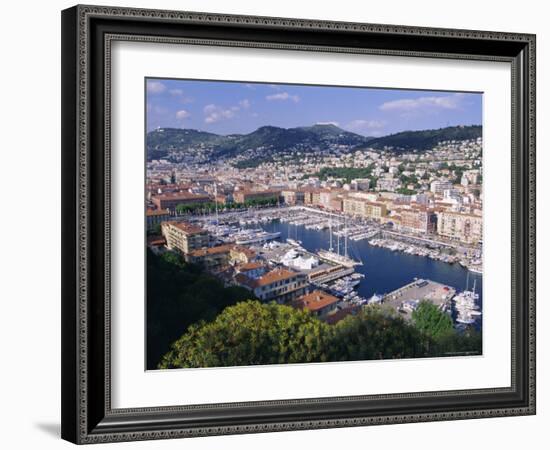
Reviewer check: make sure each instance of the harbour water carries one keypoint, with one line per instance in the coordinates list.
(384, 269)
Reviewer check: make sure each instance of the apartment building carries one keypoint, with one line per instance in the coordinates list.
(364, 208)
(171, 200)
(280, 285)
(246, 195)
(184, 237)
(319, 303)
(466, 228)
(418, 220)
(211, 258)
(155, 217)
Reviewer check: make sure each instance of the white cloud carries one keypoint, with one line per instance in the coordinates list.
(176, 92)
(283, 96)
(155, 87)
(366, 125)
(424, 104)
(336, 124)
(182, 114)
(216, 113)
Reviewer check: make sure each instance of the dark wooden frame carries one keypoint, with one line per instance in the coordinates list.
(87, 31)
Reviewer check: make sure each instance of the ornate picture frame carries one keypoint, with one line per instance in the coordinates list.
(88, 33)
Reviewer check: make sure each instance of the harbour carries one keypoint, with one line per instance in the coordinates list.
(357, 261)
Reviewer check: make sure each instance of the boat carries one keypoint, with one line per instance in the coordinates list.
(256, 237)
(335, 257)
(476, 269)
(465, 304)
(294, 242)
(338, 259)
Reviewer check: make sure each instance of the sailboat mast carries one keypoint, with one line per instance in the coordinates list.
(216, 203)
(345, 237)
(330, 232)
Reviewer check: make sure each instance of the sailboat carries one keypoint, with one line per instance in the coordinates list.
(336, 257)
(466, 305)
(294, 242)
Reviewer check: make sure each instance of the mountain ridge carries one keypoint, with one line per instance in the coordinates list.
(269, 140)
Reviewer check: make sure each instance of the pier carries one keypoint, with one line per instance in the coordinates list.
(405, 299)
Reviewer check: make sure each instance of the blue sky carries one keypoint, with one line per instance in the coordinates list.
(235, 107)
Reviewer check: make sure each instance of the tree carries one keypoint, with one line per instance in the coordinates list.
(178, 295)
(375, 333)
(430, 321)
(453, 343)
(251, 333)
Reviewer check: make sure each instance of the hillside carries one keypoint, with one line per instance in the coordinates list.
(425, 139)
(270, 139)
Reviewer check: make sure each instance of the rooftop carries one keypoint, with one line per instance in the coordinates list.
(316, 300)
(157, 212)
(187, 228)
(226, 248)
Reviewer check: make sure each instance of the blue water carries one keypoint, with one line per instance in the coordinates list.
(384, 270)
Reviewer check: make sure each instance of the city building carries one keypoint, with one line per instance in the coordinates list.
(280, 285)
(360, 184)
(293, 197)
(311, 196)
(155, 217)
(253, 270)
(466, 228)
(439, 186)
(211, 258)
(364, 208)
(388, 184)
(184, 237)
(319, 303)
(172, 199)
(418, 220)
(247, 196)
(242, 255)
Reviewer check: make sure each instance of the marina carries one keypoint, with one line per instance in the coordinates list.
(358, 262)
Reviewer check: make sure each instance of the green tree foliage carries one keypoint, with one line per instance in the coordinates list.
(430, 321)
(156, 230)
(452, 343)
(251, 333)
(210, 207)
(405, 191)
(425, 139)
(375, 333)
(178, 295)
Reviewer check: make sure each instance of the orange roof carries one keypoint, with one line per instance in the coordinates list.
(245, 250)
(212, 250)
(180, 196)
(274, 276)
(316, 300)
(158, 212)
(243, 280)
(156, 240)
(250, 266)
(186, 227)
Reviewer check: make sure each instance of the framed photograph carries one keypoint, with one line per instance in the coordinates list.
(281, 224)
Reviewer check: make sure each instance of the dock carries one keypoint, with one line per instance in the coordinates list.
(405, 299)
